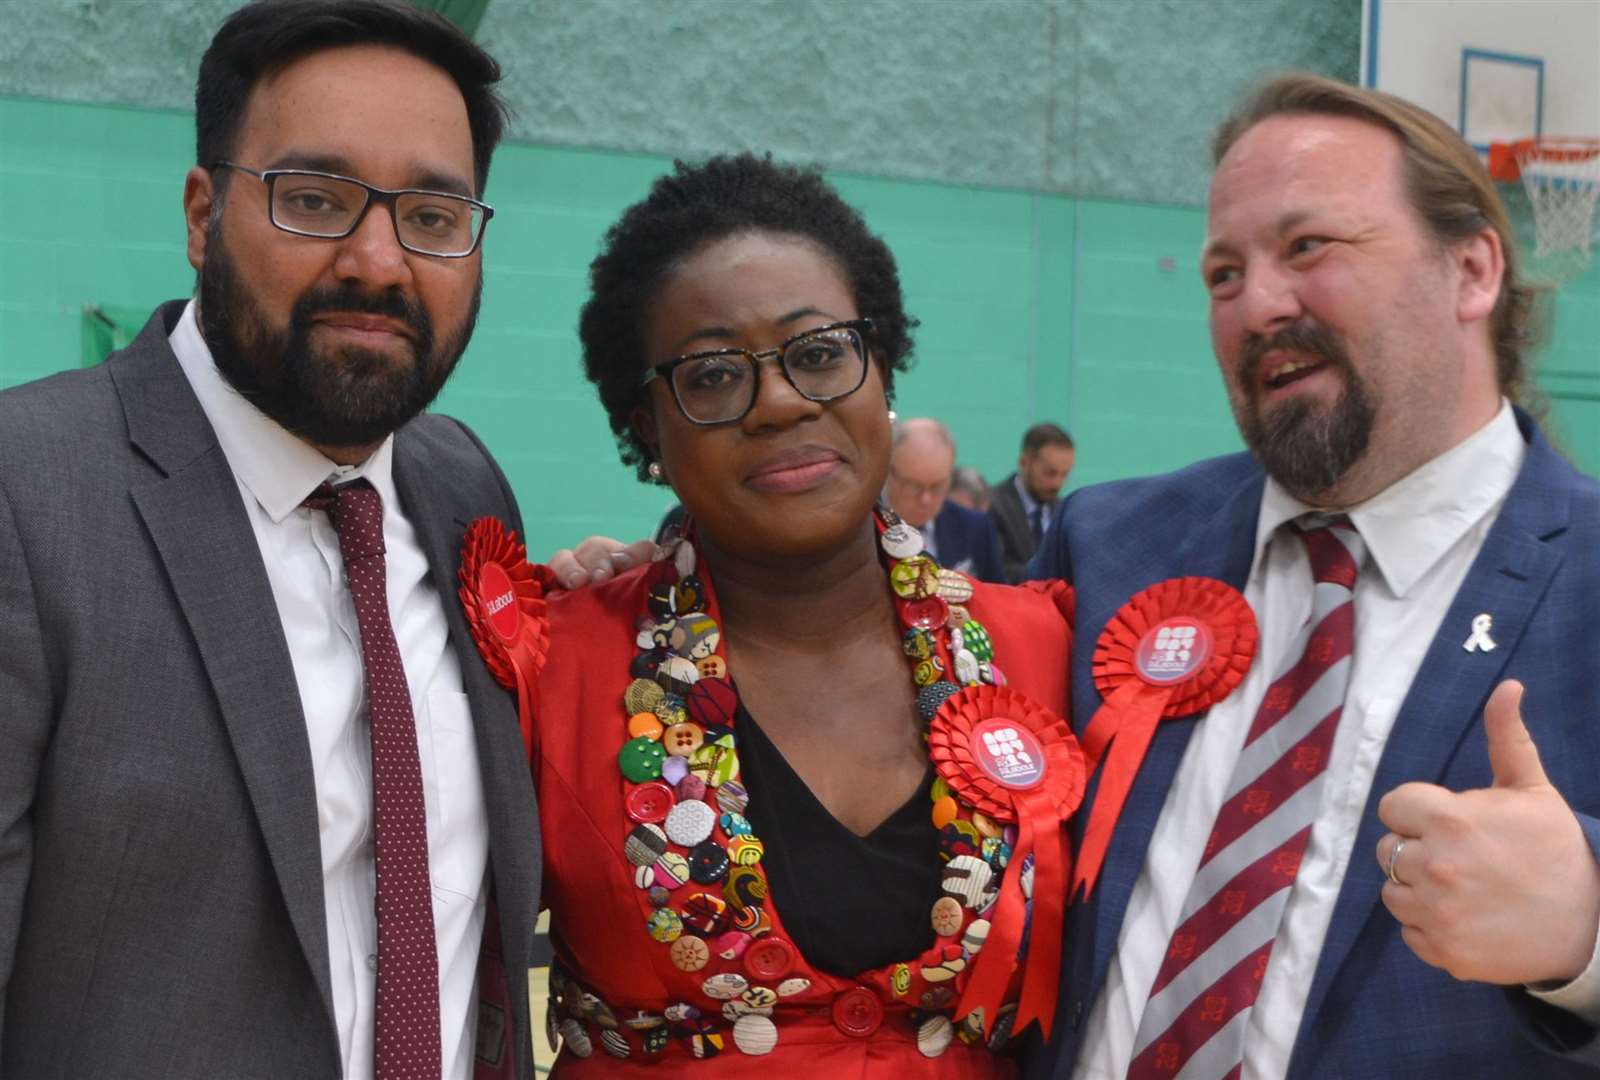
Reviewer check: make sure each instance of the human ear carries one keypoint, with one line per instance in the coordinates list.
(199, 197)
(1481, 266)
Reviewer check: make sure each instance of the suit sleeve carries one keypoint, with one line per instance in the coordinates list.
(25, 725)
(990, 563)
(1551, 1026)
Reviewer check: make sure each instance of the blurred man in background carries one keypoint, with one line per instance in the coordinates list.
(1021, 505)
(968, 488)
(920, 472)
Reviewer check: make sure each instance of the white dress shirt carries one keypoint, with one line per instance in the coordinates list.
(1422, 535)
(275, 472)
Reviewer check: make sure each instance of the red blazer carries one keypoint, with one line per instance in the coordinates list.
(599, 914)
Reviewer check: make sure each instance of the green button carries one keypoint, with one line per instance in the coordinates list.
(641, 759)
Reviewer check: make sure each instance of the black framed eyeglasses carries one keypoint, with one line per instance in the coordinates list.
(720, 386)
(330, 207)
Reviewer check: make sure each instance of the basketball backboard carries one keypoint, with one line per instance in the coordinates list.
(1498, 70)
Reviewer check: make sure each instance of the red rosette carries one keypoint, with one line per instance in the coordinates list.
(1175, 649)
(1014, 760)
(503, 597)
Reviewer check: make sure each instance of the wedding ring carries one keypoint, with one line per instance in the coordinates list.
(1394, 855)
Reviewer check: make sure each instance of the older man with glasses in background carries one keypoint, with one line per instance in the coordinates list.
(263, 813)
(921, 469)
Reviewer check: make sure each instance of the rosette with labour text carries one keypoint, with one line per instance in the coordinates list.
(1014, 760)
(1175, 649)
(503, 597)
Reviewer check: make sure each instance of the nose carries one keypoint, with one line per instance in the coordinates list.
(372, 255)
(777, 404)
(1269, 300)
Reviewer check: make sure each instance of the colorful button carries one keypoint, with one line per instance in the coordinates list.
(712, 667)
(650, 801)
(755, 1034)
(689, 954)
(929, 698)
(677, 674)
(731, 944)
(732, 797)
(977, 933)
(934, 1036)
(925, 614)
(916, 578)
(708, 863)
(716, 763)
(713, 702)
(671, 870)
(645, 844)
(705, 913)
(665, 925)
(791, 987)
(682, 740)
(746, 850)
(688, 595)
(746, 887)
(674, 769)
(646, 725)
(857, 1012)
(735, 824)
(725, 986)
(768, 959)
(689, 822)
(927, 672)
(901, 541)
(656, 1040)
(947, 916)
(900, 980)
(640, 759)
(954, 586)
(658, 894)
(690, 786)
(752, 920)
(695, 637)
(642, 695)
(670, 710)
(976, 638)
(967, 878)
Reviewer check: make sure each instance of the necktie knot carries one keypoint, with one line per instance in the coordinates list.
(356, 510)
(1334, 547)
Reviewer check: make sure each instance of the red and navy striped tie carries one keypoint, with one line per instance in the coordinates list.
(1199, 1008)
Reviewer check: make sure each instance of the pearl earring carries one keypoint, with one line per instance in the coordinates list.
(657, 473)
(892, 416)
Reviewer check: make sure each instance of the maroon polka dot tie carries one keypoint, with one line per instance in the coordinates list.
(407, 1041)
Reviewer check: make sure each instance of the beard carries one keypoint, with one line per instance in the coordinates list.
(1306, 447)
(331, 397)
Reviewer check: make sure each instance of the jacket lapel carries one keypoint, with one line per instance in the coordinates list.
(191, 506)
(1508, 580)
(440, 516)
(1221, 548)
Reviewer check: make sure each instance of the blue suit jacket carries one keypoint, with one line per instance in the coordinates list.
(966, 541)
(1375, 1010)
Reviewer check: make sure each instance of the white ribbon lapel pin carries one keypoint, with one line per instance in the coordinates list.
(1480, 641)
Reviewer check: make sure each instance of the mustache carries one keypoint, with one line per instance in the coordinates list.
(350, 298)
(1306, 336)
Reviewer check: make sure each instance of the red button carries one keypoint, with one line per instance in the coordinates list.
(926, 614)
(857, 1012)
(650, 802)
(769, 958)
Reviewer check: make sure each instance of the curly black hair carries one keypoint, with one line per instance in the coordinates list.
(699, 204)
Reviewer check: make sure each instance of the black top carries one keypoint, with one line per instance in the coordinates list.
(850, 903)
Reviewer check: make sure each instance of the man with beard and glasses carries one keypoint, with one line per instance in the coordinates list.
(1360, 863)
(263, 812)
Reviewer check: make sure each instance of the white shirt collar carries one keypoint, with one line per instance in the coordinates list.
(275, 466)
(1411, 524)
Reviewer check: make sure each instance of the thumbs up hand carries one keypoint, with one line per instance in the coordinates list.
(1497, 885)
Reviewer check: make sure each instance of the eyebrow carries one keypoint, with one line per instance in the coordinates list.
(421, 176)
(1287, 221)
(713, 333)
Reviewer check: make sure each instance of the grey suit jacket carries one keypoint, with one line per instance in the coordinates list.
(1017, 544)
(161, 903)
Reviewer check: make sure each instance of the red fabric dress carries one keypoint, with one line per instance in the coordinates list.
(626, 1004)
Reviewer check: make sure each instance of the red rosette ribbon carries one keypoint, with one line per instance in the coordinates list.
(503, 598)
(1011, 758)
(1175, 649)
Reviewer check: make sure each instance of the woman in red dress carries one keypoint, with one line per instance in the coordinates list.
(797, 782)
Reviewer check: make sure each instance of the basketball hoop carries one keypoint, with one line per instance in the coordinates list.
(1561, 176)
